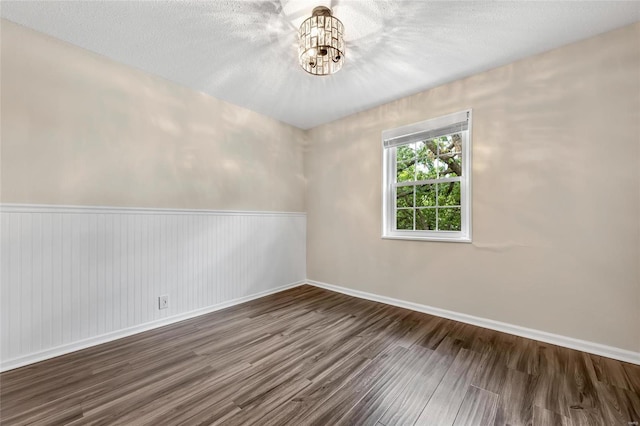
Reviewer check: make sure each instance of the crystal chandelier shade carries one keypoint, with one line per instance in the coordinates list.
(321, 43)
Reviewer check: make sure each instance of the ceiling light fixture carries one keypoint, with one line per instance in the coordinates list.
(321, 46)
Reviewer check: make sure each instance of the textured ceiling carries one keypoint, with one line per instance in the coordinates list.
(244, 52)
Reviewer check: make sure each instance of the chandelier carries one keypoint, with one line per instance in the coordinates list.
(321, 44)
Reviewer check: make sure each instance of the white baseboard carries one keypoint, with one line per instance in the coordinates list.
(543, 336)
(555, 339)
(11, 364)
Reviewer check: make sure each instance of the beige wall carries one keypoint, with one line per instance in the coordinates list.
(80, 129)
(556, 207)
(556, 181)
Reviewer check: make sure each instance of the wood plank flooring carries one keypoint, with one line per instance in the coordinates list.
(308, 356)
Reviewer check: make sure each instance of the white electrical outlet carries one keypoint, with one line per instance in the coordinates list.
(163, 302)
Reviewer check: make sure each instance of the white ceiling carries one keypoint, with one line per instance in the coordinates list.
(244, 51)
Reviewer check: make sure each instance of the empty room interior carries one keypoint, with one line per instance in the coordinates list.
(328, 212)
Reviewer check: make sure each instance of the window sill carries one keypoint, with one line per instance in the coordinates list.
(423, 238)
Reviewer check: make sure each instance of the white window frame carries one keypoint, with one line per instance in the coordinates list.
(412, 133)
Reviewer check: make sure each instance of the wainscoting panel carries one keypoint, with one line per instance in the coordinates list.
(72, 274)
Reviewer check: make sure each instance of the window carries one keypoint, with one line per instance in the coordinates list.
(427, 180)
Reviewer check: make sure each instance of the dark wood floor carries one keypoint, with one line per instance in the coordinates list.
(309, 356)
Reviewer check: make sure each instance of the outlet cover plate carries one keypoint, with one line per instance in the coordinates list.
(163, 302)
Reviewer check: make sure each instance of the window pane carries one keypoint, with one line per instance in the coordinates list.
(449, 194)
(404, 196)
(431, 147)
(404, 219)
(449, 144)
(425, 195)
(449, 219)
(442, 143)
(451, 164)
(405, 153)
(405, 172)
(457, 142)
(426, 219)
(441, 167)
(426, 168)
